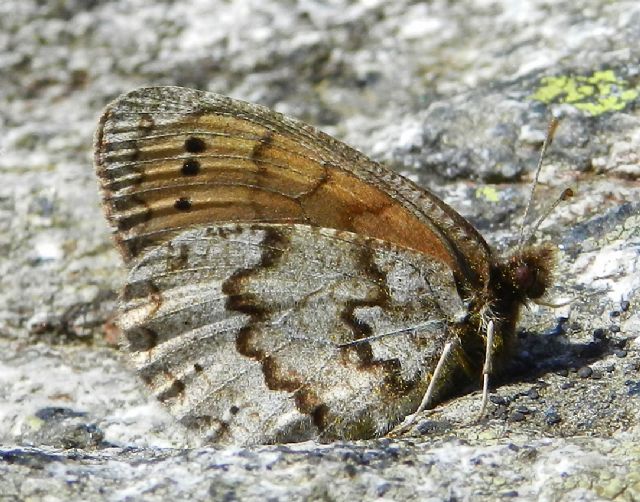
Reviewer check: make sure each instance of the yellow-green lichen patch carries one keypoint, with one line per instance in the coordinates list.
(488, 193)
(596, 94)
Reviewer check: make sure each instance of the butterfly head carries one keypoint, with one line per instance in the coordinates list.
(525, 275)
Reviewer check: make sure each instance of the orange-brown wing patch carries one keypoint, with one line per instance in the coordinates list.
(171, 158)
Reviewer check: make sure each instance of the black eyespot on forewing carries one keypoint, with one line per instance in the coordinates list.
(190, 167)
(183, 204)
(194, 145)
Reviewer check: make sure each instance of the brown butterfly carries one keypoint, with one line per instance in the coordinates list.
(285, 287)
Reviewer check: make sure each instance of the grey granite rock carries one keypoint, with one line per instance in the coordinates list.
(453, 94)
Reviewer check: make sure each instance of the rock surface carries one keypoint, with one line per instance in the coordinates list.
(453, 94)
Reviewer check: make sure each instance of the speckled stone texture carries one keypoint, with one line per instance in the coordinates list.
(442, 92)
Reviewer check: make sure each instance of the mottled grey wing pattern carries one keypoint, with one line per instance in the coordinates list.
(240, 330)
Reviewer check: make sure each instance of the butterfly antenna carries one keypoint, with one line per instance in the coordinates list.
(551, 131)
(566, 194)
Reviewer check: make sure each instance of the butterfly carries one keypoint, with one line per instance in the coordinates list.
(284, 287)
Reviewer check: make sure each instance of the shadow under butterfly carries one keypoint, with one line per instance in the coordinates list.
(284, 287)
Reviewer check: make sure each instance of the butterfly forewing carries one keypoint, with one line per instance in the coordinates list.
(170, 158)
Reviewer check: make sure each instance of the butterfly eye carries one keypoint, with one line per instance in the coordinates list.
(524, 276)
(528, 280)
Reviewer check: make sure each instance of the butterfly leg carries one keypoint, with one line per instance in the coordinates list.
(487, 368)
(410, 419)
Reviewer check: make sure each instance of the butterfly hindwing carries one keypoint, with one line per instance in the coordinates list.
(241, 330)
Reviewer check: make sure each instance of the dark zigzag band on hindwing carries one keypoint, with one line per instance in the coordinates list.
(393, 380)
(246, 333)
(275, 243)
(239, 299)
